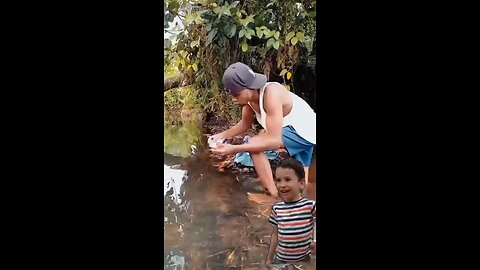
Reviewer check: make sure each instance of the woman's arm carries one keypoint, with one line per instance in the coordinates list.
(272, 139)
(241, 127)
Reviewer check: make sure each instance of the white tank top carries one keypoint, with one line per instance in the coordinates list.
(302, 118)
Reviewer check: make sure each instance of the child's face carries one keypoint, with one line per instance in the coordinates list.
(288, 184)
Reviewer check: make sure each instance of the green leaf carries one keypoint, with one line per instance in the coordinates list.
(234, 4)
(195, 67)
(279, 62)
(188, 67)
(198, 20)
(241, 33)
(183, 54)
(226, 10)
(189, 18)
(230, 30)
(251, 31)
(211, 36)
(276, 44)
(173, 6)
(244, 47)
(166, 43)
(289, 36)
(217, 10)
(300, 36)
(294, 40)
(289, 75)
(259, 33)
(277, 35)
(239, 14)
(247, 20)
(267, 33)
(288, 87)
(270, 42)
(283, 72)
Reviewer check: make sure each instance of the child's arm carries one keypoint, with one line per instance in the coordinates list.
(314, 233)
(273, 245)
(313, 245)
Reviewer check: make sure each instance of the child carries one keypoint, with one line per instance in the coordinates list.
(292, 219)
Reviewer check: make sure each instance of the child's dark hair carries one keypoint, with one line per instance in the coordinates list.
(295, 165)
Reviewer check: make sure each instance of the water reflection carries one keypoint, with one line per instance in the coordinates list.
(174, 262)
(172, 182)
(173, 219)
(209, 223)
(181, 140)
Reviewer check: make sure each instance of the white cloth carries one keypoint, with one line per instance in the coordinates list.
(302, 118)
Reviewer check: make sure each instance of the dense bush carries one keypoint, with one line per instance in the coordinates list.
(270, 36)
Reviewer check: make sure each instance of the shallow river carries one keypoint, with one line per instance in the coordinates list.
(209, 221)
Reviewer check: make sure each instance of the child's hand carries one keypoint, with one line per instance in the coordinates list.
(313, 247)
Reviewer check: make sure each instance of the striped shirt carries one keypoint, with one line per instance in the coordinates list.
(294, 222)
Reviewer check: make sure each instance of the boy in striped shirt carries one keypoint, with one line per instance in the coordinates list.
(292, 219)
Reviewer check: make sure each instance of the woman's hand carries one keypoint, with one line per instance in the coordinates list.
(224, 149)
(214, 139)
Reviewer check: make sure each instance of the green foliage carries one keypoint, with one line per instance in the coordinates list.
(181, 102)
(269, 35)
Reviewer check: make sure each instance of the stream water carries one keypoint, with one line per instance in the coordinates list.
(209, 221)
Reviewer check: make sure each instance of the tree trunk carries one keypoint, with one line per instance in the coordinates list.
(174, 82)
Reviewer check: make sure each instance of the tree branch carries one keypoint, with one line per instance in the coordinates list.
(174, 82)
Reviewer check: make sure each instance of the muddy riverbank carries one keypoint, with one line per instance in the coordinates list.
(212, 219)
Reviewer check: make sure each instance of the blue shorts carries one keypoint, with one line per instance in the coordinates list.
(297, 147)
